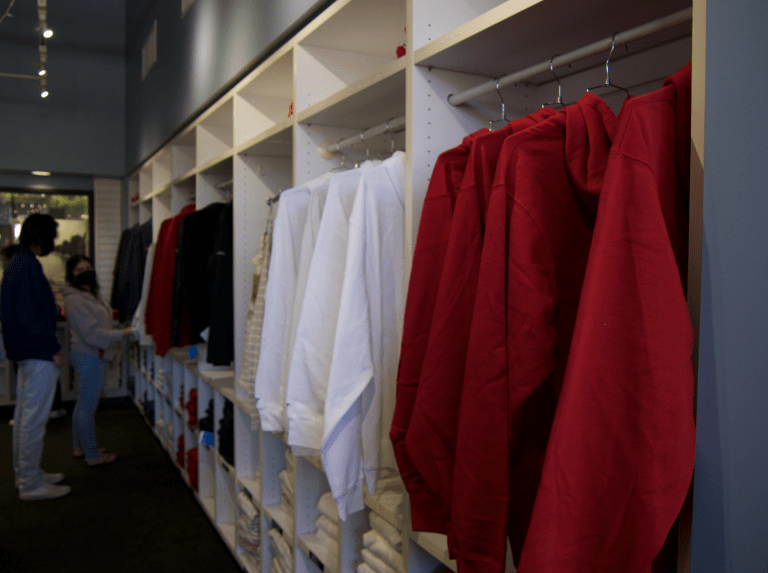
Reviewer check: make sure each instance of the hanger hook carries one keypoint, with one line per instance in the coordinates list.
(559, 87)
(392, 137)
(503, 105)
(608, 60)
(341, 153)
(367, 150)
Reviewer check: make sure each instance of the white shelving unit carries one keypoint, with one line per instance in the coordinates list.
(335, 78)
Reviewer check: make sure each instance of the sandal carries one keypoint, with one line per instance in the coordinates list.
(81, 453)
(104, 458)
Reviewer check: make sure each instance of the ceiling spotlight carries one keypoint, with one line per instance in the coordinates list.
(42, 174)
(44, 93)
(47, 33)
(41, 72)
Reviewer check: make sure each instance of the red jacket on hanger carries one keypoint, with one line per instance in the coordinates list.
(621, 451)
(428, 257)
(431, 437)
(158, 311)
(538, 232)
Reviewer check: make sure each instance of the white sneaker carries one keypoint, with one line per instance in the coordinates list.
(46, 491)
(55, 414)
(50, 478)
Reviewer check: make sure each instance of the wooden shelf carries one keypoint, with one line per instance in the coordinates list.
(313, 546)
(277, 141)
(436, 545)
(366, 103)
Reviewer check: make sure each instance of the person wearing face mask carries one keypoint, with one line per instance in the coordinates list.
(29, 334)
(93, 344)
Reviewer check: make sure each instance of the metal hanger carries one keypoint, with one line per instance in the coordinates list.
(607, 83)
(341, 166)
(367, 149)
(392, 139)
(559, 104)
(503, 109)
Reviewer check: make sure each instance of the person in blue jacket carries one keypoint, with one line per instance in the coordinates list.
(29, 334)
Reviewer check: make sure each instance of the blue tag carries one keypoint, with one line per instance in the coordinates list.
(192, 352)
(207, 438)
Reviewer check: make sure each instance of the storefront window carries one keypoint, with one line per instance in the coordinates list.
(72, 211)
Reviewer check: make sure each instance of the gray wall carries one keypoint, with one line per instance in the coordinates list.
(80, 127)
(730, 520)
(196, 56)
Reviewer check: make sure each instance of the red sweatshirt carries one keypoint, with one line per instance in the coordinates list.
(431, 438)
(539, 227)
(621, 451)
(158, 312)
(428, 257)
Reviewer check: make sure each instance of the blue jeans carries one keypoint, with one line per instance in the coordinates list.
(35, 387)
(90, 374)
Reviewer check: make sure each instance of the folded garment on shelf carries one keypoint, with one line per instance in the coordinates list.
(375, 563)
(376, 544)
(329, 527)
(388, 531)
(247, 507)
(249, 535)
(249, 529)
(276, 567)
(364, 568)
(327, 506)
(290, 461)
(282, 549)
(286, 484)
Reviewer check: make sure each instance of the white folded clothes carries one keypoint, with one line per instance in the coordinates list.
(324, 524)
(330, 550)
(388, 531)
(276, 567)
(281, 547)
(376, 544)
(375, 563)
(286, 484)
(364, 568)
(247, 507)
(327, 506)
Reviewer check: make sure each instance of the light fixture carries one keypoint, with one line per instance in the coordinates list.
(44, 93)
(47, 32)
(42, 72)
(42, 174)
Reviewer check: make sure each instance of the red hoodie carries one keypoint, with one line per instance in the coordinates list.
(621, 451)
(431, 244)
(431, 438)
(158, 312)
(539, 227)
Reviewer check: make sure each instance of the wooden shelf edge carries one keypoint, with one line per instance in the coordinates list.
(436, 545)
(475, 26)
(392, 68)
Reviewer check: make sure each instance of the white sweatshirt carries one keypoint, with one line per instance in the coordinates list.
(315, 334)
(293, 241)
(369, 328)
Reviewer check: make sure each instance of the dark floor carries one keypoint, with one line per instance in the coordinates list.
(134, 515)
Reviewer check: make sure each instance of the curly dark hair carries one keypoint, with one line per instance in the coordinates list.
(70, 272)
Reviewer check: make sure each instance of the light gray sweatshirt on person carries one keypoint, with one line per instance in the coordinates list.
(90, 322)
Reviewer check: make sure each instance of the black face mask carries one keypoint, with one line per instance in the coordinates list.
(87, 278)
(46, 247)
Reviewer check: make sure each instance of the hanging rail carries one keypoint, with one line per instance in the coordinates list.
(329, 151)
(590, 50)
